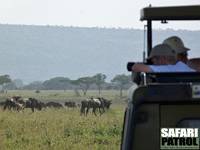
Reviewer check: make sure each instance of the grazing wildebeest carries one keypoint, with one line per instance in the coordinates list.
(9, 104)
(34, 104)
(105, 102)
(94, 104)
(70, 104)
(84, 106)
(14, 103)
(54, 105)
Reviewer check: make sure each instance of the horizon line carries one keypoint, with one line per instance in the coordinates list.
(91, 27)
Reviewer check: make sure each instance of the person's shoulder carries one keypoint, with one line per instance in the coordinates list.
(180, 63)
(185, 67)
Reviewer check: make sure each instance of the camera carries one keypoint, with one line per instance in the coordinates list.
(130, 65)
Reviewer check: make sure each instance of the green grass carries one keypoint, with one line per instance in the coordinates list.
(62, 129)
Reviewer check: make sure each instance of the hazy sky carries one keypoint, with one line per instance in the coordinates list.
(87, 13)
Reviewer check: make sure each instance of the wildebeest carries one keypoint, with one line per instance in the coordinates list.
(14, 103)
(34, 104)
(18, 103)
(94, 104)
(70, 104)
(54, 105)
(105, 102)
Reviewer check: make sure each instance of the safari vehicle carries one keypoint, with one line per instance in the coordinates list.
(161, 100)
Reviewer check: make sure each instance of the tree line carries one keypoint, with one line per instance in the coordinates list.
(80, 86)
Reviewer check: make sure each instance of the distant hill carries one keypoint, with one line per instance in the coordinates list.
(34, 53)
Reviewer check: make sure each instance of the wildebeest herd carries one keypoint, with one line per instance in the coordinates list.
(17, 103)
(95, 104)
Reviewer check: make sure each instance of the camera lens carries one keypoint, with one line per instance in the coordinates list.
(130, 65)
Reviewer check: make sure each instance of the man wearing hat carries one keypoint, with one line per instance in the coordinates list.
(176, 43)
(164, 60)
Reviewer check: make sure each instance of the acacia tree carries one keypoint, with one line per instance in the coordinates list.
(84, 83)
(58, 83)
(121, 81)
(99, 79)
(4, 79)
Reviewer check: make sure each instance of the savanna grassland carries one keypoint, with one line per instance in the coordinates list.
(61, 129)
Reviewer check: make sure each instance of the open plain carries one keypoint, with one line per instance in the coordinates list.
(61, 129)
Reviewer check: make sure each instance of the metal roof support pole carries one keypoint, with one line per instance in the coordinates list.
(149, 36)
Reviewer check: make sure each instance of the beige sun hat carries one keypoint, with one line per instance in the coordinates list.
(162, 50)
(176, 43)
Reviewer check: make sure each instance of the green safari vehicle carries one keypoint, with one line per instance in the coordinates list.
(161, 100)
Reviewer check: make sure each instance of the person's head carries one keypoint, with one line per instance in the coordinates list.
(162, 54)
(177, 44)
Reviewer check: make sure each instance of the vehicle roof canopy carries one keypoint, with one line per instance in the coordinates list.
(171, 13)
